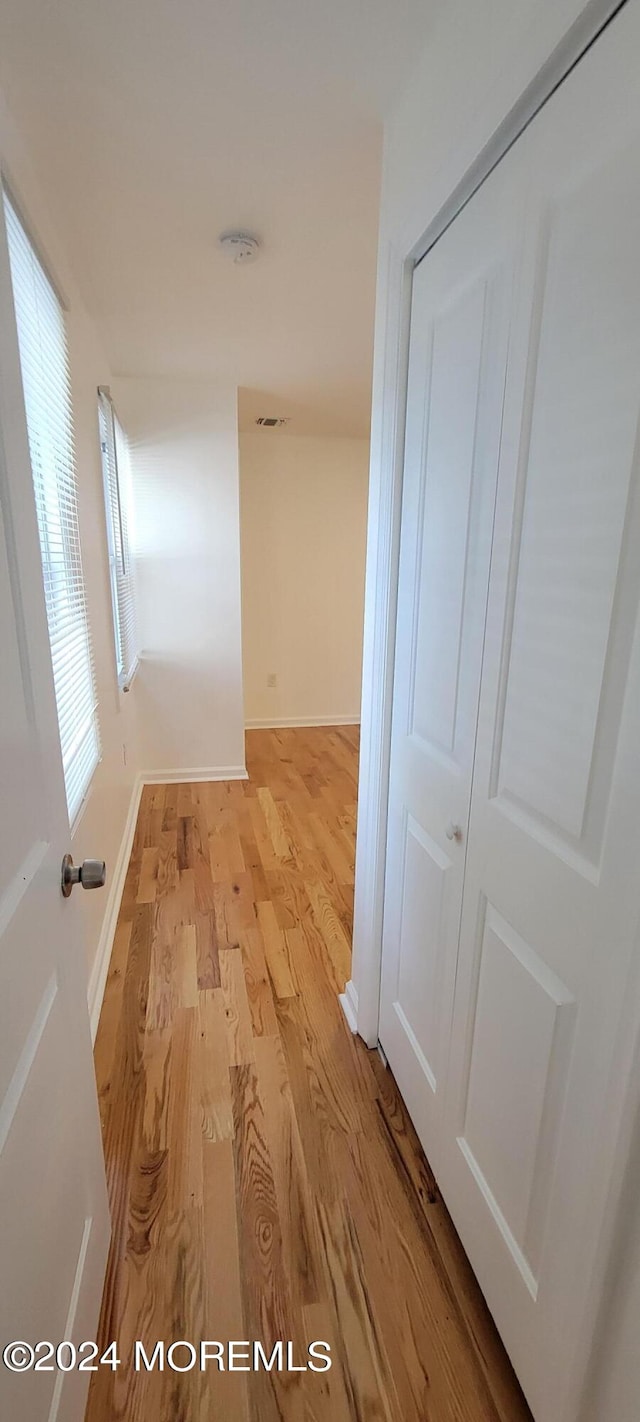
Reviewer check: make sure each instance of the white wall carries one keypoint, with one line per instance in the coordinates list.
(184, 461)
(481, 56)
(303, 529)
(100, 828)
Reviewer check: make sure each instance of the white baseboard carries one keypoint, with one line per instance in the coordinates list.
(349, 1003)
(100, 968)
(190, 773)
(284, 722)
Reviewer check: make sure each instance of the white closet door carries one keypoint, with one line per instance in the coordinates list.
(551, 900)
(459, 332)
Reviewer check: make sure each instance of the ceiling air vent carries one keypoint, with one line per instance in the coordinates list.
(272, 422)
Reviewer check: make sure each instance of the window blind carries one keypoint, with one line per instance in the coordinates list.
(115, 464)
(47, 397)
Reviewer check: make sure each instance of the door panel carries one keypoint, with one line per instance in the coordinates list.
(444, 516)
(459, 335)
(520, 1031)
(54, 1221)
(421, 922)
(551, 900)
(576, 492)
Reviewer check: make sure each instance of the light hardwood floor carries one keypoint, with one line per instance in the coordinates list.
(265, 1180)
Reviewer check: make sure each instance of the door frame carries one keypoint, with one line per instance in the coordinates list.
(399, 255)
(397, 261)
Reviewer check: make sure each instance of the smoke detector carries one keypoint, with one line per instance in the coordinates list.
(239, 247)
(272, 422)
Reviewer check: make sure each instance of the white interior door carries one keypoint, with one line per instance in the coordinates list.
(461, 302)
(54, 1220)
(549, 932)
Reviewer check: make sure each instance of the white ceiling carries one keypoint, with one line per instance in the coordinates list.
(156, 124)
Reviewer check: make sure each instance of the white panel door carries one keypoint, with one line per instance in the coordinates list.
(551, 904)
(54, 1220)
(459, 335)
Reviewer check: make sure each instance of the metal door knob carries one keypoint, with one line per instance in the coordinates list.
(453, 831)
(92, 874)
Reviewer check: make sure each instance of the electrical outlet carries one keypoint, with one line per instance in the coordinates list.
(272, 680)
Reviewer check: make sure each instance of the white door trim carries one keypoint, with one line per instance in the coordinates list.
(362, 994)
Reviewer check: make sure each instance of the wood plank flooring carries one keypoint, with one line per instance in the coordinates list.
(265, 1180)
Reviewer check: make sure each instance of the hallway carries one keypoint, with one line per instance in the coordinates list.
(265, 1181)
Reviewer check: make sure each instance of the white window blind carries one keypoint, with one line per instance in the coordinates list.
(47, 397)
(115, 464)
